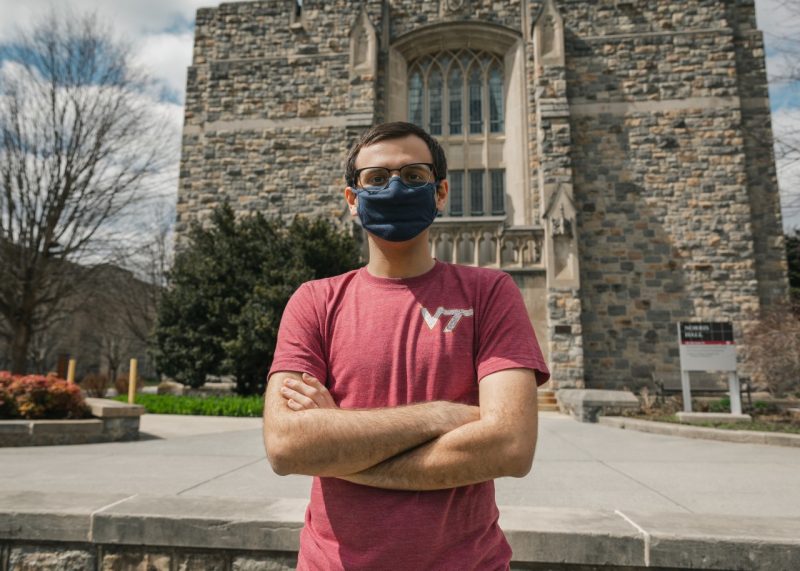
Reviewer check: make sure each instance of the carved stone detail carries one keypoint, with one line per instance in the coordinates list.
(548, 36)
(363, 47)
(487, 242)
(453, 7)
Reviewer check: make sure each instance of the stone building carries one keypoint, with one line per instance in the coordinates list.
(614, 156)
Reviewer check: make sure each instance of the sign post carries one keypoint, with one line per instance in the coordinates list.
(708, 347)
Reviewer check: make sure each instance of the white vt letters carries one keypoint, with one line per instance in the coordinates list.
(456, 315)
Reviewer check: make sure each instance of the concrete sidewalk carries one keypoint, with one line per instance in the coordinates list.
(577, 465)
(200, 487)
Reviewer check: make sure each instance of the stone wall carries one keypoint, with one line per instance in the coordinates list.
(654, 125)
(678, 215)
(114, 532)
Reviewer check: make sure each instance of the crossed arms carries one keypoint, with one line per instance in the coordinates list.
(426, 446)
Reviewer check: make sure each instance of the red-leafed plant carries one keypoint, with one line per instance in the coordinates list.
(39, 396)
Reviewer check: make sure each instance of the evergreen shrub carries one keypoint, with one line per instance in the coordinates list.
(227, 290)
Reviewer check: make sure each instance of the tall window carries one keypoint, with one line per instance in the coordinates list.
(458, 96)
(468, 81)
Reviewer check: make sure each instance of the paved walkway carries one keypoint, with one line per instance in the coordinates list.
(576, 466)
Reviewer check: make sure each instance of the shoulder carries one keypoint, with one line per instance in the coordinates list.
(324, 288)
(480, 277)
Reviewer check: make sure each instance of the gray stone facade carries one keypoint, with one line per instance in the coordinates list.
(641, 187)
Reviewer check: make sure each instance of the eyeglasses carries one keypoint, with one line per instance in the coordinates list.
(414, 175)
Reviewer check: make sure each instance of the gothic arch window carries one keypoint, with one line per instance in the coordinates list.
(457, 95)
(474, 83)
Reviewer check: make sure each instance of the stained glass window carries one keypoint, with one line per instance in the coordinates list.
(498, 191)
(455, 89)
(442, 88)
(435, 102)
(495, 100)
(476, 192)
(475, 100)
(458, 96)
(456, 194)
(415, 99)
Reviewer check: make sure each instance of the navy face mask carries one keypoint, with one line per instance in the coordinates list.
(397, 213)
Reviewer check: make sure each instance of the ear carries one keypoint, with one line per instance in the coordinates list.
(352, 201)
(441, 194)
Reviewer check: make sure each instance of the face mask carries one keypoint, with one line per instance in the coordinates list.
(397, 213)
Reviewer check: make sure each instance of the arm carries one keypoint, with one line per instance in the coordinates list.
(334, 442)
(500, 444)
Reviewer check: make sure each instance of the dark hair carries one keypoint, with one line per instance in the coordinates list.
(396, 130)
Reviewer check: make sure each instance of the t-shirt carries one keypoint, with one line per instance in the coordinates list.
(380, 342)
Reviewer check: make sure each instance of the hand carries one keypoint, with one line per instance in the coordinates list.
(305, 395)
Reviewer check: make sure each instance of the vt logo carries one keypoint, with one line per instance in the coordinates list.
(455, 317)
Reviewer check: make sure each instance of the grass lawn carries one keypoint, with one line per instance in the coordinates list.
(203, 406)
(771, 423)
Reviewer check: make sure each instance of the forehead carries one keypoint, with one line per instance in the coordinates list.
(393, 153)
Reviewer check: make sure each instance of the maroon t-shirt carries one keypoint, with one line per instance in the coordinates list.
(378, 342)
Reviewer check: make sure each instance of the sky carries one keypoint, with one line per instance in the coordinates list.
(162, 34)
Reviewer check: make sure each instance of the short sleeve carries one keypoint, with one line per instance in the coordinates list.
(506, 339)
(300, 346)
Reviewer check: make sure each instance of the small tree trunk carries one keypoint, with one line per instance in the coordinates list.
(20, 342)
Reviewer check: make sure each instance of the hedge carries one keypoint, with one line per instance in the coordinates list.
(204, 406)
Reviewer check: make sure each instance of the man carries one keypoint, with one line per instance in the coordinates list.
(404, 387)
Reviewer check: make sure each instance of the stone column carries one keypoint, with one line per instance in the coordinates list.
(557, 208)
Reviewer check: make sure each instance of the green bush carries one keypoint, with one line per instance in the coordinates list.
(722, 405)
(228, 288)
(202, 406)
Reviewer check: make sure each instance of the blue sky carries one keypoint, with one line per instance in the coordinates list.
(162, 32)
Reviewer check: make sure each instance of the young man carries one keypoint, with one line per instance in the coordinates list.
(404, 387)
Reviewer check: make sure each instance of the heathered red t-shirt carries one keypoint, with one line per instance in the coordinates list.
(378, 342)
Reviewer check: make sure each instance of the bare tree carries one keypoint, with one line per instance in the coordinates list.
(785, 44)
(149, 263)
(80, 146)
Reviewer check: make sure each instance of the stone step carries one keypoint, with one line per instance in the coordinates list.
(547, 400)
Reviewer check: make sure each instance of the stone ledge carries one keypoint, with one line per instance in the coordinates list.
(114, 422)
(672, 429)
(586, 405)
(556, 536)
(701, 417)
(34, 516)
(105, 408)
(202, 522)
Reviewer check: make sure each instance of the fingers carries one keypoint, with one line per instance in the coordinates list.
(322, 391)
(297, 398)
(309, 393)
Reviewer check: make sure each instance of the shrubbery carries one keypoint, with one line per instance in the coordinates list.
(39, 396)
(773, 349)
(95, 384)
(204, 406)
(228, 287)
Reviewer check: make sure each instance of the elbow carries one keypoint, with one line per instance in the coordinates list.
(279, 455)
(520, 464)
(519, 457)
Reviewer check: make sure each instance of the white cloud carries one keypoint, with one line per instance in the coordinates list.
(166, 57)
(131, 18)
(160, 30)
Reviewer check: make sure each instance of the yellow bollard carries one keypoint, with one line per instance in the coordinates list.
(132, 381)
(71, 371)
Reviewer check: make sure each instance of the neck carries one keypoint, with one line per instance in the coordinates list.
(399, 259)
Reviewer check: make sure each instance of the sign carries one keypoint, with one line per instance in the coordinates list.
(707, 347)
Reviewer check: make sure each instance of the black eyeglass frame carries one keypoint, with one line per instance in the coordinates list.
(357, 174)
